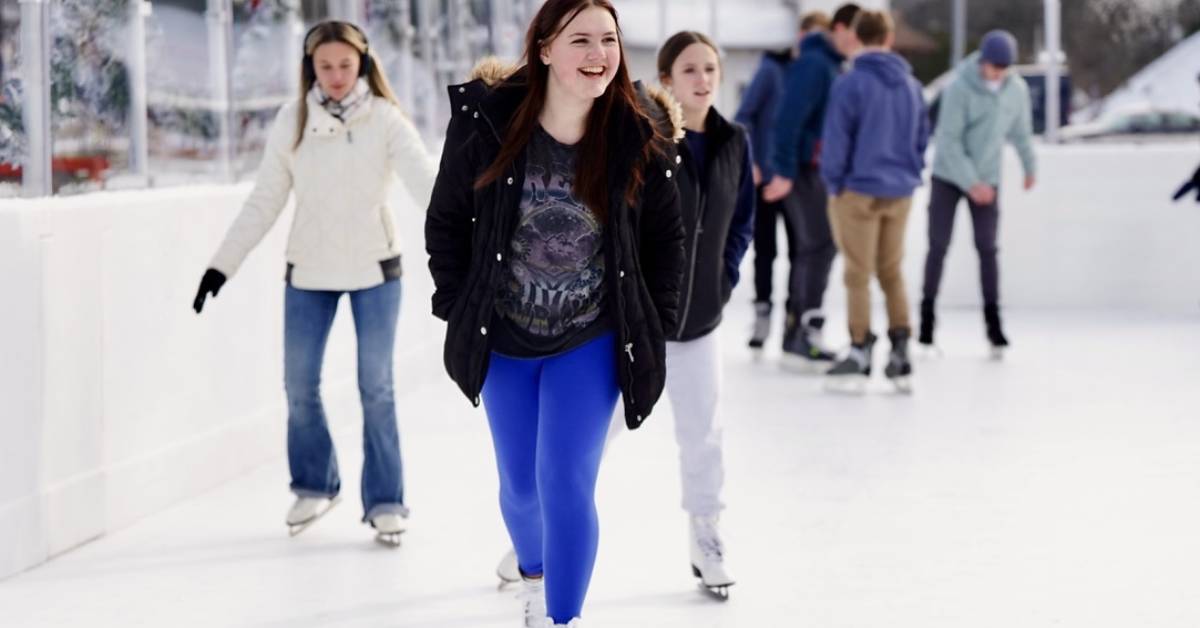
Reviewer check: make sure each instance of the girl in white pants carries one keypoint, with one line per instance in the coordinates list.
(716, 192)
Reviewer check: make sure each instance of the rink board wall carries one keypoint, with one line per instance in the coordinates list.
(119, 401)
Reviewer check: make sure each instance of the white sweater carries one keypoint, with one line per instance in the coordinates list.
(341, 174)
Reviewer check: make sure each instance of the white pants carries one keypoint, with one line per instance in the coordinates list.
(693, 386)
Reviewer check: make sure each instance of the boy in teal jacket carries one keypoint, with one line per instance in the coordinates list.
(984, 107)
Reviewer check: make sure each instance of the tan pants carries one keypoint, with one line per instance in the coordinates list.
(870, 235)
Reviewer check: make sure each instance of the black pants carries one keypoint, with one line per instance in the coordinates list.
(943, 200)
(766, 219)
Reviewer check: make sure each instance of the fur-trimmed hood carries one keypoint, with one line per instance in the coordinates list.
(492, 76)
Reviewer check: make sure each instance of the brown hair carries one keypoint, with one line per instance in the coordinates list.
(592, 168)
(873, 27)
(814, 19)
(676, 44)
(845, 15)
(348, 34)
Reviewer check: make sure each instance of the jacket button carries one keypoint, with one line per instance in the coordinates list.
(639, 418)
(464, 107)
(462, 90)
(472, 219)
(621, 274)
(678, 159)
(510, 180)
(499, 257)
(668, 174)
(483, 331)
(476, 114)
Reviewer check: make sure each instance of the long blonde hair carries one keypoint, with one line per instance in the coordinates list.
(351, 35)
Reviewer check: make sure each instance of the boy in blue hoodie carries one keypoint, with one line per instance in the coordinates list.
(873, 147)
(797, 185)
(758, 113)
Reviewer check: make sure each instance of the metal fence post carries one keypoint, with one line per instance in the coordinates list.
(36, 171)
(220, 43)
(138, 128)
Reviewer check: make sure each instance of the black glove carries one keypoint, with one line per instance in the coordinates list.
(210, 283)
(1191, 184)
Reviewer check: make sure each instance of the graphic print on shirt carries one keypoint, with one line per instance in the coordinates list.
(555, 268)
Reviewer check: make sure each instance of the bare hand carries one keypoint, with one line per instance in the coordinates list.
(1030, 181)
(982, 194)
(757, 173)
(777, 189)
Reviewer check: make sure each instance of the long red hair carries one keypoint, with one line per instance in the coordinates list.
(592, 174)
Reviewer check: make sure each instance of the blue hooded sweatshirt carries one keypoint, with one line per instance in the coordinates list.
(802, 112)
(876, 129)
(760, 108)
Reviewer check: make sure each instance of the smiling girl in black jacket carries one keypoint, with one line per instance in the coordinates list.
(555, 244)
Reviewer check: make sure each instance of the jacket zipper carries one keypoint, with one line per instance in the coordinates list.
(687, 306)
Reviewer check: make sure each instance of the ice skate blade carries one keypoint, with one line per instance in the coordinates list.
(297, 528)
(853, 385)
(804, 366)
(390, 540)
(716, 591)
(903, 384)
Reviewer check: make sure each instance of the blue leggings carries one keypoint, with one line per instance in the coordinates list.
(549, 417)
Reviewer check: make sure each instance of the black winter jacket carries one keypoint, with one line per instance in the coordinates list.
(708, 215)
(468, 230)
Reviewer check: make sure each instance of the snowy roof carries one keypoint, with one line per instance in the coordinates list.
(1167, 83)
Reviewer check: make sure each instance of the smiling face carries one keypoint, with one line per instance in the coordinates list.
(694, 77)
(336, 64)
(584, 56)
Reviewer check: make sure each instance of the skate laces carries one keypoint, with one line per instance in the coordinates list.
(859, 356)
(708, 539)
(533, 595)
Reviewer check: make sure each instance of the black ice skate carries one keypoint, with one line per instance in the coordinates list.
(803, 345)
(995, 335)
(925, 335)
(899, 369)
(851, 373)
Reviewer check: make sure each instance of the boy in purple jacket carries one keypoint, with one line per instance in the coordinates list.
(873, 151)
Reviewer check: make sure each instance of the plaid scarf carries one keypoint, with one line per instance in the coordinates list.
(343, 109)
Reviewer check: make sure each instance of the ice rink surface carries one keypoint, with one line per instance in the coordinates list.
(1058, 488)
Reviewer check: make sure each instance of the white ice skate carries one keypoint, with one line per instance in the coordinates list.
(508, 570)
(388, 528)
(306, 510)
(708, 557)
(533, 595)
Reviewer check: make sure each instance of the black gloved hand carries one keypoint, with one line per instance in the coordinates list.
(210, 283)
(1191, 184)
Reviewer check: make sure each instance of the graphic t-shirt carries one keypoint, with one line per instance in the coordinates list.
(551, 298)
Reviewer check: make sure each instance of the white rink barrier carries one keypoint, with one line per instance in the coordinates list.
(119, 401)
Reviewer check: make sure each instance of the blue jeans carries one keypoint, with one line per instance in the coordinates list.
(308, 317)
(549, 418)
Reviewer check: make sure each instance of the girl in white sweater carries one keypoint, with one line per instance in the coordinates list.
(337, 148)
